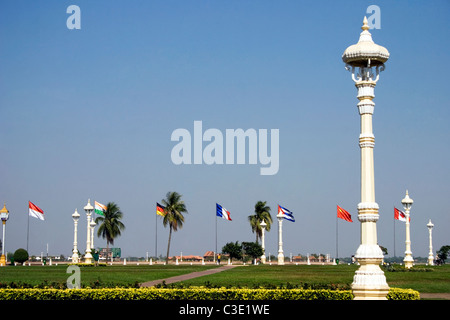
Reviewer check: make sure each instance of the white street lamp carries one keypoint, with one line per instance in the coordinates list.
(430, 254)
(4, 215)
(365, 60)
(92, 224)
(280, 239)
(263, 225)
(75, 217)
(88, 256)
(407, 203)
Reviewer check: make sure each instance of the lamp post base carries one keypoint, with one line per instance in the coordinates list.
(408, 260)
(280, 259)
(369, 281)
(3, 260)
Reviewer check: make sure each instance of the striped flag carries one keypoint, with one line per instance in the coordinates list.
(222, 212)
(400, 215)
(288, 215)
(35, 212)
(343, 214)
(160, 210)
(99, 208)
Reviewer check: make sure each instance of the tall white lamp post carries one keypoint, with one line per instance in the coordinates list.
(75, 217)
(263, 225)
(93, 224)
(280, 239)
(407, 203)
(88, 256)
(365, 60)
(430, 254)
(4, 215)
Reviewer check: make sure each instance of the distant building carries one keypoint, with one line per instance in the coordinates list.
(209, 256)
(115, 252)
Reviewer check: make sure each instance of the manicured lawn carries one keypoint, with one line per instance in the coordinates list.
(264, 275)
(117, 274)
(243, 276)
(437, 280)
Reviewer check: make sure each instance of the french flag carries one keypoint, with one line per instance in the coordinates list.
(222, 212)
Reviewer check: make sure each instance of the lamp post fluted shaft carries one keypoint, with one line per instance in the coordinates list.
(75, 256)
(280, 240)
(4, 215)
(88, 256)
(263, 229)
(365, 60)
(430, 226)
(407, 203)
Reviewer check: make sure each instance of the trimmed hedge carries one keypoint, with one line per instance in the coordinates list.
(198, 293)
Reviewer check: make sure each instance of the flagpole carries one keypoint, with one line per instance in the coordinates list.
(394, 231)
(337, 238)
(215, 252)
(156, 237)
(28, 225)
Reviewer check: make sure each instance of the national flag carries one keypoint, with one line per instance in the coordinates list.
(35, 211)
(99, 208)
(400, 215)
(343, 214)
(222, 212)
(288, 215)
(160, 210)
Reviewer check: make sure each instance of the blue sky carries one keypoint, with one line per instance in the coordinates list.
(89, 114)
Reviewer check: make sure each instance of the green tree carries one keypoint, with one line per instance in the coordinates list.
(252, 249)
(110, 225)
(20, 255)
(234, 250)
(443, 253)
(262, 212)
(173, 215)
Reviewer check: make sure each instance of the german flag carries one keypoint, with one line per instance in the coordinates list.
(160, 209)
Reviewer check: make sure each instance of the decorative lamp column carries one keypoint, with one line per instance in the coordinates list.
(92, 224)
(4, 215)
(88, 256)
(263, 226)
(430, 254)
(365, 60)
(75, 217)
(407, 203)
(280, 240)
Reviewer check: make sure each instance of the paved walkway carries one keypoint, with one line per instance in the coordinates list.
(187, 276)
(443, 296)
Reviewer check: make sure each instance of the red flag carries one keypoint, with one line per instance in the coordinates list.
(341, 213)
(400, 215)
(35, 211)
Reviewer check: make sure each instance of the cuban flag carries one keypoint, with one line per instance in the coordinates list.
(222, 212)
(288, 215)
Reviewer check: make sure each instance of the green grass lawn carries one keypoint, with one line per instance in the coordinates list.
(435, 281)
(109, 275)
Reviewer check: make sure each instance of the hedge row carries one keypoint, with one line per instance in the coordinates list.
(191, 294)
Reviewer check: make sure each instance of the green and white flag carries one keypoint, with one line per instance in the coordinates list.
(100, 208)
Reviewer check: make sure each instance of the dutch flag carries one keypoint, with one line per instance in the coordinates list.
(222, 212)
(288, 215)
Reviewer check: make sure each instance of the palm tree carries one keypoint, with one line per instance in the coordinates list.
(174, 209)
(262, 212)
(110, 226)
